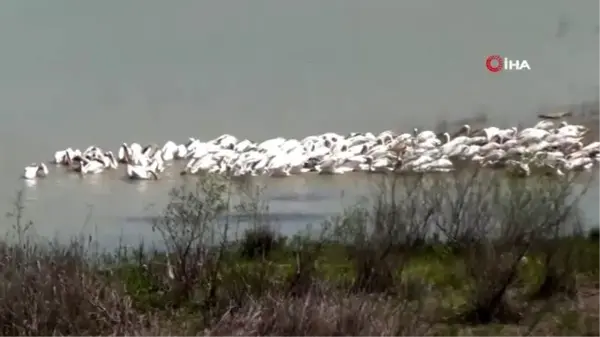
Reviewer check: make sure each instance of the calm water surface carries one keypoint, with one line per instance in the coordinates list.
(75, 73)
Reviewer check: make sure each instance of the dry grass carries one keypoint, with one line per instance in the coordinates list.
(426, 255)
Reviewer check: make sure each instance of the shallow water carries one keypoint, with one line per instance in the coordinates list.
(80, 73)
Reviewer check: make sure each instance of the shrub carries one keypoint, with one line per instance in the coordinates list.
(258, 242)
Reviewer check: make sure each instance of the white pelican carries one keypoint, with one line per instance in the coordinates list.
(91, 166)
(34, 171)
(142, 172)
(109, 160)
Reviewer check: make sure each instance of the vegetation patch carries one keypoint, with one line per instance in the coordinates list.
(426, 255)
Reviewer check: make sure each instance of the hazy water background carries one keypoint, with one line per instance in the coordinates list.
(75, 73)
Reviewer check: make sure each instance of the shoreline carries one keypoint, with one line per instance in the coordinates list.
(372, 270)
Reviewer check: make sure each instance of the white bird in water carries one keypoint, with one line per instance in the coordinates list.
(546, 148)
(143, 172)
(34, 171)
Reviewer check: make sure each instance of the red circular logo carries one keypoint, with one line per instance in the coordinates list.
(494, 63)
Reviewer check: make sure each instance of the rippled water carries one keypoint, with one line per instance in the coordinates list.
(75, 73)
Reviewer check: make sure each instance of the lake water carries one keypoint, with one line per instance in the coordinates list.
(76, 73)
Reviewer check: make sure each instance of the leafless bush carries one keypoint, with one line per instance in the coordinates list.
(496, 221)
(261, 237)
(307, 252)
(20, 227)
(329, 313)
(560, 263)
(491, 221)
(55, 292)
(195, 227)
(379, 235)
(57, 289)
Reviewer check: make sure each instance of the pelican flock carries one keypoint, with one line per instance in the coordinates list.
(545, 148)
